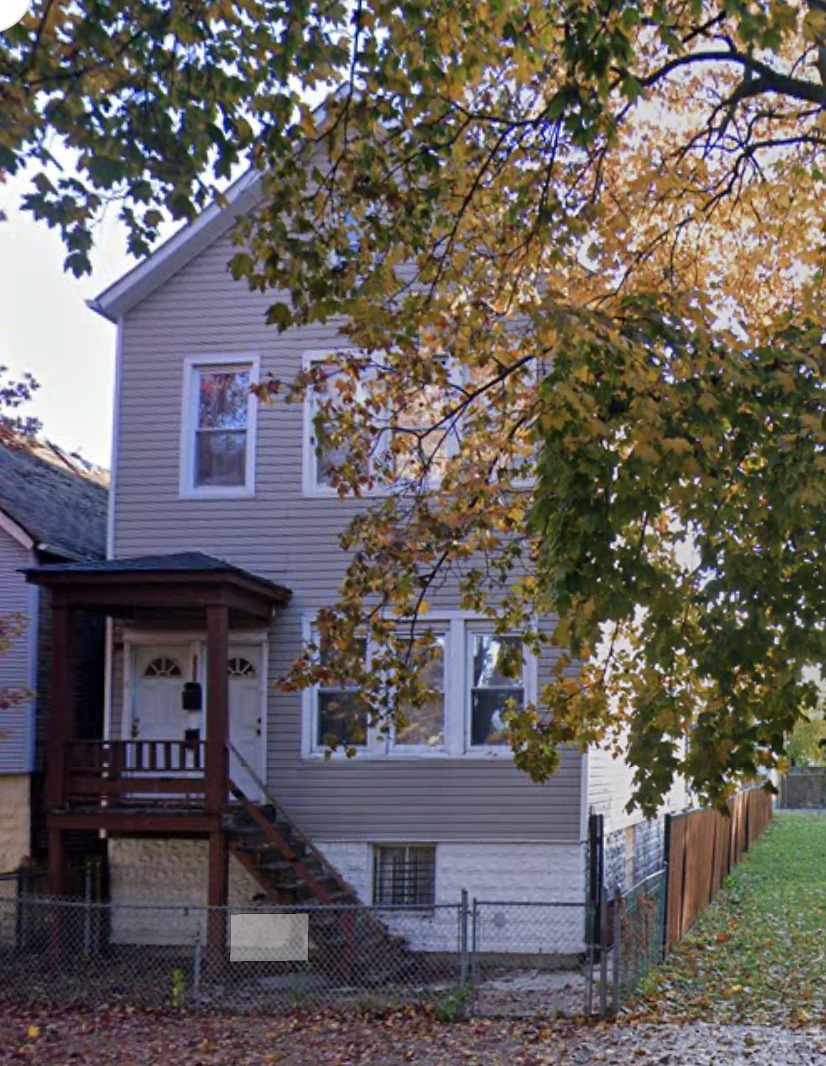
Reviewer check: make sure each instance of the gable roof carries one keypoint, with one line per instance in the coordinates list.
(58, 501)
(174, 254)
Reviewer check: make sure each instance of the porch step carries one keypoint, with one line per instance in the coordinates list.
(293, 872)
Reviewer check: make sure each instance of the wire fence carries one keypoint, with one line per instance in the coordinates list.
(496, 958)
(640, 936)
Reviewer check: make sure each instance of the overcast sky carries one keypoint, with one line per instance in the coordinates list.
(47, 329)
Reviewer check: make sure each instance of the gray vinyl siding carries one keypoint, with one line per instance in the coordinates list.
(287, 537)
(16, 663)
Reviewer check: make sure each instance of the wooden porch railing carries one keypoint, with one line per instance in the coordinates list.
(168, 772)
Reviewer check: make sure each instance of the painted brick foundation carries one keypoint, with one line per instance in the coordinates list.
(158, 882)
(15, 820)
(163, 880)
(522, 873)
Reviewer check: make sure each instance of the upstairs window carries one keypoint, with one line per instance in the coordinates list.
(219, 427)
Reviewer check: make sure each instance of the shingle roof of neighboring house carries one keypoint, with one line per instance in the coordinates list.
(57, 499)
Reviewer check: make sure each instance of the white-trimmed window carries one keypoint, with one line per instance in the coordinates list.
(475, 679)
(321, 460)
(340, 718)
(428, 438)
(495, 684)
(219, 415)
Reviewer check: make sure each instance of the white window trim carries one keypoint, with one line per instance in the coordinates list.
(374, 745)
(481, 627)
(310, 484)
(424, 751)
(460, 627)
(416, 908)
(187, 490)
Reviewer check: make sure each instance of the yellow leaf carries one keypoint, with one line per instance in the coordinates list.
(34, 1032)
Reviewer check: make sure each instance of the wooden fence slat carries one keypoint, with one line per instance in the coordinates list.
(704, 848)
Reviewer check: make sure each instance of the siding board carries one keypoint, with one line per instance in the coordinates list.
(15, 665)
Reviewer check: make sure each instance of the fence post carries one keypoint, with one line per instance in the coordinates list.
(474, 943)
(589, 958)
(603, 953)
(596, 870)
(667, 885)
(87, 910)
(617, 949)
(197, 967)
(463, 939)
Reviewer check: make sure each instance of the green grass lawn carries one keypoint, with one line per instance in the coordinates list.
(758, 954)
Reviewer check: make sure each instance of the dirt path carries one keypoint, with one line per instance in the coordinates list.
(142, 1039)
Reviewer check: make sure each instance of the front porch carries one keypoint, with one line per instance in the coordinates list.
(173, 784)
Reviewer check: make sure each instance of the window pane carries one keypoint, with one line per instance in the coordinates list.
(496, 662)
(223, 398)
(342, 718)
(220, 458)
(488, 709)
(425, 725)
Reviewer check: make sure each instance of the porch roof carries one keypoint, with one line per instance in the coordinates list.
(182, 580)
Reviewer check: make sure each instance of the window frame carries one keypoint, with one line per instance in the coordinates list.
(311, 484)
(475, 629)
(193, 366)
(444, 628)
(377, 848)
(459, 628)
(310, 748)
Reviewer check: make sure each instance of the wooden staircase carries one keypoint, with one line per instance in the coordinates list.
(347, 940)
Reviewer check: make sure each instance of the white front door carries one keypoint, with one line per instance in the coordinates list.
(157, 713)
(157, 710)
(246, 707)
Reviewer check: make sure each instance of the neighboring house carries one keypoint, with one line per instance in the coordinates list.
(52, 508)
(223, 547)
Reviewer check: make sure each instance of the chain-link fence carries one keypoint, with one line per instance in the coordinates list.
(494, 958)
(640, 932)
(529, 959)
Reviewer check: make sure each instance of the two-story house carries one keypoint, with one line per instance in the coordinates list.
(223, 546)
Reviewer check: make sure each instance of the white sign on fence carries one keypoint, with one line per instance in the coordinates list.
(269, 937)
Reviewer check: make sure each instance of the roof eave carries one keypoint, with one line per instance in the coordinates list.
(178, 250)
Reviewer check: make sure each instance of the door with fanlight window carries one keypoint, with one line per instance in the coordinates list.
(246, 724)
(157, 712)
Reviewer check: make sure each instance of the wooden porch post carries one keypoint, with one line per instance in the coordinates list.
(62, 717)
(61, 731)
(217, 715)
(217, 770)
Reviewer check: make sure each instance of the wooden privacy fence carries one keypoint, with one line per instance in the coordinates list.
(703, 847)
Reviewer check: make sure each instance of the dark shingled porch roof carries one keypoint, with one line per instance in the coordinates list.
(178, 564)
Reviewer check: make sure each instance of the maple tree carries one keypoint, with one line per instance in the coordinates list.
(577, 252)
